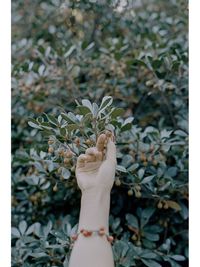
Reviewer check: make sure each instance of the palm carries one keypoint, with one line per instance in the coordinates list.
(92, 169)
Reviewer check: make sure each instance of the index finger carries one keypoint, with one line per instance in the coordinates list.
(100, 142)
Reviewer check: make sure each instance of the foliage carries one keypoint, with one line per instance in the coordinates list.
(78, 68)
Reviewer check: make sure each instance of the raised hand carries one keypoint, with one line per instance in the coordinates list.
(96, 167)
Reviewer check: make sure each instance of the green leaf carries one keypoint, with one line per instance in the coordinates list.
(51, 119)
(22, 227)
(34, 125)
(106, 102)
(47, 228)
(72, 127)
(66, 262)
(151, 263)
(177, 257)
(116, 113)
(95, 109)
(88, 104)
(83, 110)
(146, 215)
(69, 117)
(15, 232)
(151, 237)
(121, 168)
(132, 220)
(147, 179)
(149, 255)
(141, 173)
(171, 172)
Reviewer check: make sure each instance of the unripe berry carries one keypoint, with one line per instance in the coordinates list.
(143, 157)
(138, 194)
(130, 192)
(66, 160)
(149, 83)
(155, 162)
(145, 163)
(117, 182)
(61, 152)
(138, 187)
(138, 243)
(68, 154)
(166, 206)
(88, 142)
(77, 141)
(134, 237)
(165, 224)
(55, 188)
(50, 150)
(59, 170)
(160, 205)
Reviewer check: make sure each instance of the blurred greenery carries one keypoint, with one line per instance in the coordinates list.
(78, 68)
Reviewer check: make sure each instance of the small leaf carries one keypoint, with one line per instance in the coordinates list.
(132, 220)
(106, 101)
(151, 263)
(34, 125)
(172, 171)
(121, 168)
(116, 112)
(15, 232)
(95, 109)
(51, 119)
(178, 257)
(87, 103)
(22, 227)
(141, 173)
(83, 110)
(146, 215)
(41, 70)
(147, 179)
(66, 262)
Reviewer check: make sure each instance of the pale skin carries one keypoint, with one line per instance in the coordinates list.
(95, 172)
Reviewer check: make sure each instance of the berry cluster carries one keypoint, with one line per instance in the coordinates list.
(87, 233)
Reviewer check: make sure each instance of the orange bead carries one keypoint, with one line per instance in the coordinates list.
(89, 233)
(110, 238)
(74, 237)
(85, 233)
(101, 232)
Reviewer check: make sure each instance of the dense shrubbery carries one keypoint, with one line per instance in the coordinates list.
(68, 58)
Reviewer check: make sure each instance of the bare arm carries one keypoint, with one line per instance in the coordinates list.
(95, 176)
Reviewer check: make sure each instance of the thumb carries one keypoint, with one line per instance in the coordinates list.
(111, 151)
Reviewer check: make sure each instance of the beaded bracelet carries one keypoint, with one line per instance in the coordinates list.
(88, 233)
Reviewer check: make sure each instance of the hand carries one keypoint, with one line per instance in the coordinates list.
(97, 166)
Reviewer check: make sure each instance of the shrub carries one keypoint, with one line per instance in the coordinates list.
(79, 69)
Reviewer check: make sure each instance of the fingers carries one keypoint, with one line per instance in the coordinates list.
(111, 150)
(101, 142)
(105, 146)
(92, 151)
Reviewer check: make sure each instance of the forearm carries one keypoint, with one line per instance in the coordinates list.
(93, 251)
(95, 206)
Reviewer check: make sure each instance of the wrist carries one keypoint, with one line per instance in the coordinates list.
(95, 206)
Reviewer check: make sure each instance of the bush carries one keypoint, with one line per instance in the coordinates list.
(79, 68)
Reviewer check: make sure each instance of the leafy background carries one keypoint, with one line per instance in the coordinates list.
(68, 57)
